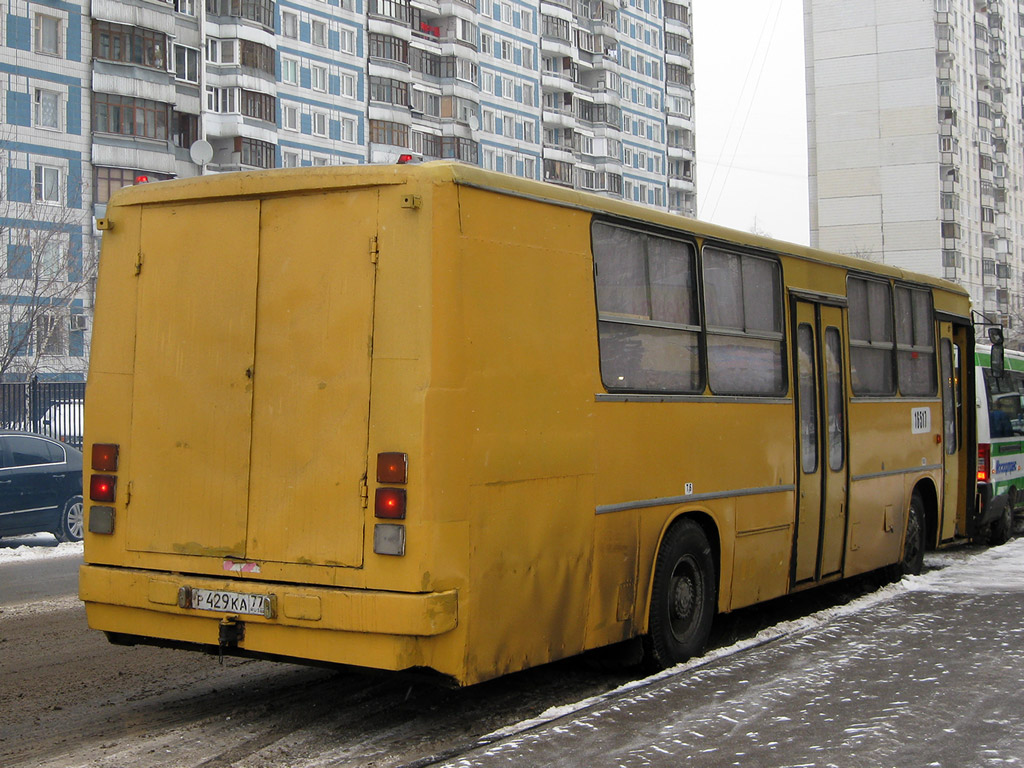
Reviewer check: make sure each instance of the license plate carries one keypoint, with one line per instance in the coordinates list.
(232, 602)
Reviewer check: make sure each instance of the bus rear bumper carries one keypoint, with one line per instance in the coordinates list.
(367, 628)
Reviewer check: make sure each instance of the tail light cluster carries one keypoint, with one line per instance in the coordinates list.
(984, 462)
(389, 503)
(103, 487)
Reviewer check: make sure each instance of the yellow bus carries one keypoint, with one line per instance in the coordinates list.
(436, 418)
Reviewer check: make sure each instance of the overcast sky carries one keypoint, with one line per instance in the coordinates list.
(751, 116)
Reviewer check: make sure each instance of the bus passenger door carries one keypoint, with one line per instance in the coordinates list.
(821, 410)
(957, 488)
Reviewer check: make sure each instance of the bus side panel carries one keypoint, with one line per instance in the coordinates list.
(527, 301)
(885, 457)
(108, 418)
(613, 589)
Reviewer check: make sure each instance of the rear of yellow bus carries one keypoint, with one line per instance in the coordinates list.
(255, 423)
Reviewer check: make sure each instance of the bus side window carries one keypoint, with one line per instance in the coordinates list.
(871, 337)
(648, 324)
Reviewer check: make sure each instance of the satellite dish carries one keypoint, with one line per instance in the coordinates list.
(201, 152)
(474, 123)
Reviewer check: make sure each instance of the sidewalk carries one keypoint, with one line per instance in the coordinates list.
(927, 672)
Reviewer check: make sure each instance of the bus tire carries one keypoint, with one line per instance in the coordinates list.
(72, 521)
(1001, 529)
(912, 561)
(684, 595)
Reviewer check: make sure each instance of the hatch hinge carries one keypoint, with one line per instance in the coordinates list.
(128, 495)
(138, 264)
(374, 252)
(364, 492)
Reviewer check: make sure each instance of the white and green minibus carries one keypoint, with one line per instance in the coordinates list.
(1000, 403)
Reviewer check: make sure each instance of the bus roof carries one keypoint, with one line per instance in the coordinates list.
(322, 178)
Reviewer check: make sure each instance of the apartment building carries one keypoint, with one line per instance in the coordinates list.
(590, 94)
(915, 140)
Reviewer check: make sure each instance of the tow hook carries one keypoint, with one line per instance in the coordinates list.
(232, 632)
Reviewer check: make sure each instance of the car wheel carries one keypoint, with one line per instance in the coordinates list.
(72, 521)
(683, 597)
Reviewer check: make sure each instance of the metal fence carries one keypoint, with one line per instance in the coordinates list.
(53, 408)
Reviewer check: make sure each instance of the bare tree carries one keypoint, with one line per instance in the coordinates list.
(47, 276)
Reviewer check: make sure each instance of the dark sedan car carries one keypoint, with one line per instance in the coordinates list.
(40, 487)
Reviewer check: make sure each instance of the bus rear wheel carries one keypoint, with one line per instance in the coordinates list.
(683, 597)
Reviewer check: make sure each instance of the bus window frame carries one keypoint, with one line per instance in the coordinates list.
(690, 242)
(781, 336)
(934, 379)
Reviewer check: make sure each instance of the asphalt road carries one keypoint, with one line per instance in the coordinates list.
(69, 699)
(21, 582)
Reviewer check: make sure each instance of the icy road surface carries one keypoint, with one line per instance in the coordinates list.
(927, 672)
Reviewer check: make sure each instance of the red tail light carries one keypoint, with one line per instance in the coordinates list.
(392, 467)
(389, 503)
(984, 462)
(104, 457)
(103, 488)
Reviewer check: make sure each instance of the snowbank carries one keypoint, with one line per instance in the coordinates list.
(36, 547)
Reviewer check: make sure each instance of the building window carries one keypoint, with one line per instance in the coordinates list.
(348, 85)
(51, 334)
(289, 71)
(47, 184)
(127, 116)
(387, 47)
(425, 62)
(290, 117)
(186, 64)
(48, 34)
(389, 91)
(257, 56)
(289, 159)
(458, 148)
(556, 28)
(348, 129)
(109, 180)
(318, 77)
(222, 100)
(390, 9)
(260, 11)
(319, 122)
(259, 154)
(185, 129)
(187, 7)
(47, 109)
(261, 106)
(385, 132)
(558, 172)
(289, 25)
(318, 33)
(220, 51)
(348, 41)
(129, 45)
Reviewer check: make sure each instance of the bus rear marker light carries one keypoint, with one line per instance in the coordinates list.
(104, 457)
(392, 467)
(103, 488)
(389, 539)
(389, 503)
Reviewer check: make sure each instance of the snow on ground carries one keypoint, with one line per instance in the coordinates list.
(999, 569)
(38, 546)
